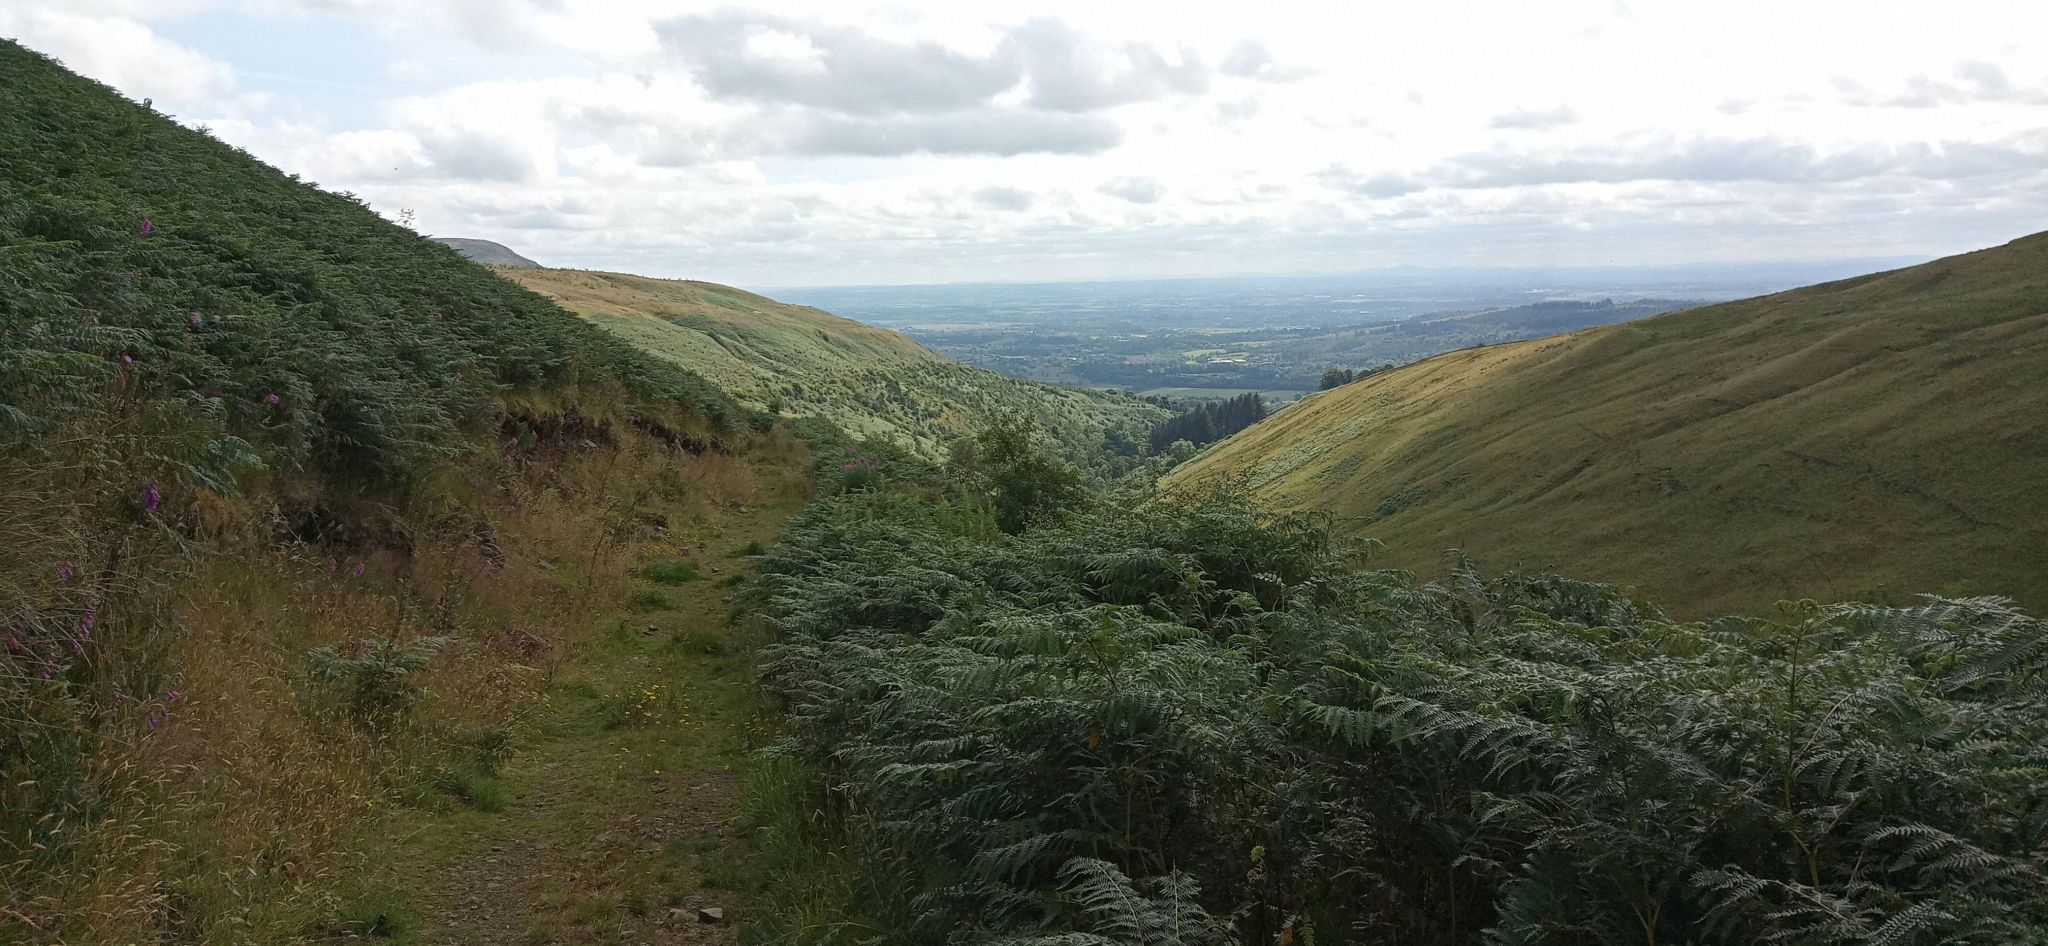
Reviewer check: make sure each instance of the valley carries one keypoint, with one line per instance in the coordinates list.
(1219, 338)
(368, 587)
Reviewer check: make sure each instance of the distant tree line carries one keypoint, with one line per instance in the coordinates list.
(1334, 377)
(1210, 422)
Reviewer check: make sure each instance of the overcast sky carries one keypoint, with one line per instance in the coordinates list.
(817, 143)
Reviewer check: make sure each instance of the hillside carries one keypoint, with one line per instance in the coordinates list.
(803, 362)
(486, 252)
(303, 518)
(1874, 436)
(1420, 337)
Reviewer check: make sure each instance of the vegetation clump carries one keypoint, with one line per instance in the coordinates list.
(1186, 723)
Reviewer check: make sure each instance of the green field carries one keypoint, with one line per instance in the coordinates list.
(1869, 437)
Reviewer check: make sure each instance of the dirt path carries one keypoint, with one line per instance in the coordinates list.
(624, 788)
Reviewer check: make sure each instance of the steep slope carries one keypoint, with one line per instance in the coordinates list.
(262, 319)
(804, 362)
(300, 516)
(486, 252)
(1871, 436)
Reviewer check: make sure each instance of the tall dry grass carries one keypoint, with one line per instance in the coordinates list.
(183, 777)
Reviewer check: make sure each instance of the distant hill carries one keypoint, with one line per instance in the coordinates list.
(1857, 438)
(1416, 338)
(486, 252)
(805, 362)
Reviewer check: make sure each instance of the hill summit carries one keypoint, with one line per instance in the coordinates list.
(1856, 438)
(486, 252)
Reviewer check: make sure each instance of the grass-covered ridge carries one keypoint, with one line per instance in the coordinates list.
(804, 362)
(1861, 438)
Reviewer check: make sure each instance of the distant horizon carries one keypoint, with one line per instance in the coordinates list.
(1888, 262)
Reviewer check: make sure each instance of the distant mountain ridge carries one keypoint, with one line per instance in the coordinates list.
(1855, 438)
(487, 252)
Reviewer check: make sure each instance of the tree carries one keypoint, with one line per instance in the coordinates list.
(1026, 484)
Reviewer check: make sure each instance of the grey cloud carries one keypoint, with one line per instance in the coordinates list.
(813, 133)
(1758, 160)
(1722, 160)
(990, 132)
(1005, 198)
(476, 157)
(1137, 190)
(1067, 73)
(1539, 120)
(855, 73)
(1975, 81)
(1249, 59)
(1380, 185)
(1238, 111)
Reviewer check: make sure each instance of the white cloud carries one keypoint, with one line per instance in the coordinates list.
(816, 141)
(119, 51)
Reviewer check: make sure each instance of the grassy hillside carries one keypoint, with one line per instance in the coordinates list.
(1866, 437)
(261, 320)
(301, 516)
(801, 361)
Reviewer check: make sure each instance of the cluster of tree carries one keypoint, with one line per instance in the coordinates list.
(1185, 723)
(1338, 377)
(1208, 423)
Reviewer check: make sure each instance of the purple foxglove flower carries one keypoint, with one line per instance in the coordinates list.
(65, 573)
(271, 399)
(151, 498)
(127, 360)
(359, 569)
(148, 226)
(192, 319)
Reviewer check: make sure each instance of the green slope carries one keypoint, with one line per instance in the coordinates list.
(279, 482)
(257, 317)
(1878, 435)
(805, 362)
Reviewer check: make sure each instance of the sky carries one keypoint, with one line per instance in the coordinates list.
(852, 142)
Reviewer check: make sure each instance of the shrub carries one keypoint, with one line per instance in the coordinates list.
(670, 572)
(1119, 728)
(375, 681)
(651, 601)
